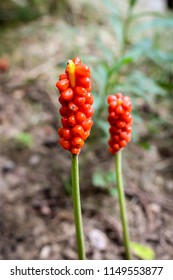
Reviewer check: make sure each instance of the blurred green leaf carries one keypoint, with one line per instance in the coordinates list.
(117, 27)
(120, 63)
(104, 180)
(98, 179)
(104, 125)
(132, 2)
(142, 251)
(24, 140)
(111, 7)
(162, 22)
(140, 85)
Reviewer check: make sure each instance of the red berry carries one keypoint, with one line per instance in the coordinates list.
(82, 70)
(63, 76)
(71, 120)
(77, 60)
(80, 91)
(75, 151)
(112, 106)
(64, 143)
(88, 110)
(66, 133)
(80, 117)
(87, 124)
(84, 82)
(77, 142)
(61, 100)
(77, 130)
(85, 135)
(64, 121)
(62, 84)
(122, 143)
(63, 111)
(111, 98)
(119, 95)
(67, 94)
(119, 109)
(89, 98)
(72, 107)
(60, 132)
(79, 100)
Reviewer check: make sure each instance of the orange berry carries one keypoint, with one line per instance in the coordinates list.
(84, 82)
(85, 135)
(63, 76)
(60, 132)
(123, 143)
(77, 60)
(79, 100)
(66, 133)
(80, 91)
(111, 98)
(71, 120)
(80, 117)
(62, 84)
(89, 98)
(77, 130)
(72, 107)
(75, 151)
(67, 94)
(87, 124)
(88, 110)
(64, 143)
(82, 70)
(77, 142)
(119, 109)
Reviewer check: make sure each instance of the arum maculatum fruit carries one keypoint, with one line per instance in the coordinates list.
(120, 121)
(76, 111)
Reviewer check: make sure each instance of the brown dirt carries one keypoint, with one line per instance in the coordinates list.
(36, 220)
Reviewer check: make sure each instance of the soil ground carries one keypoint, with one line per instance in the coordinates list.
(36, 220)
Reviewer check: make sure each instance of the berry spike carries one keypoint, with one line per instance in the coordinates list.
(76, 99)
(120, 121)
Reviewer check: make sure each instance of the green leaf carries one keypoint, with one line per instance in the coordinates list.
(117, 27)
(104, 125)
(24, 140)
(120, 63)
(153, 24)
(98, 179)
(103, 179)
(138, 84)
(100, 74)
(142, 251)
(132, 2)
(111, 7)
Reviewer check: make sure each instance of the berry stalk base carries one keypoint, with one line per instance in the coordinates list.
(77, 207)
(118, 170)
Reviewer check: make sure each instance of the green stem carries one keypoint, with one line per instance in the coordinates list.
(77, 208)
(118, 169)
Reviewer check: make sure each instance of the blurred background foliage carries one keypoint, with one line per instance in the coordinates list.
(128, 49)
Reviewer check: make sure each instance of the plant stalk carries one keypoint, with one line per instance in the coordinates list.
(77, 208)
(118, 169)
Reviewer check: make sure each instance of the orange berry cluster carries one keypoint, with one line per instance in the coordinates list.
(76, 100)
(120, 121)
